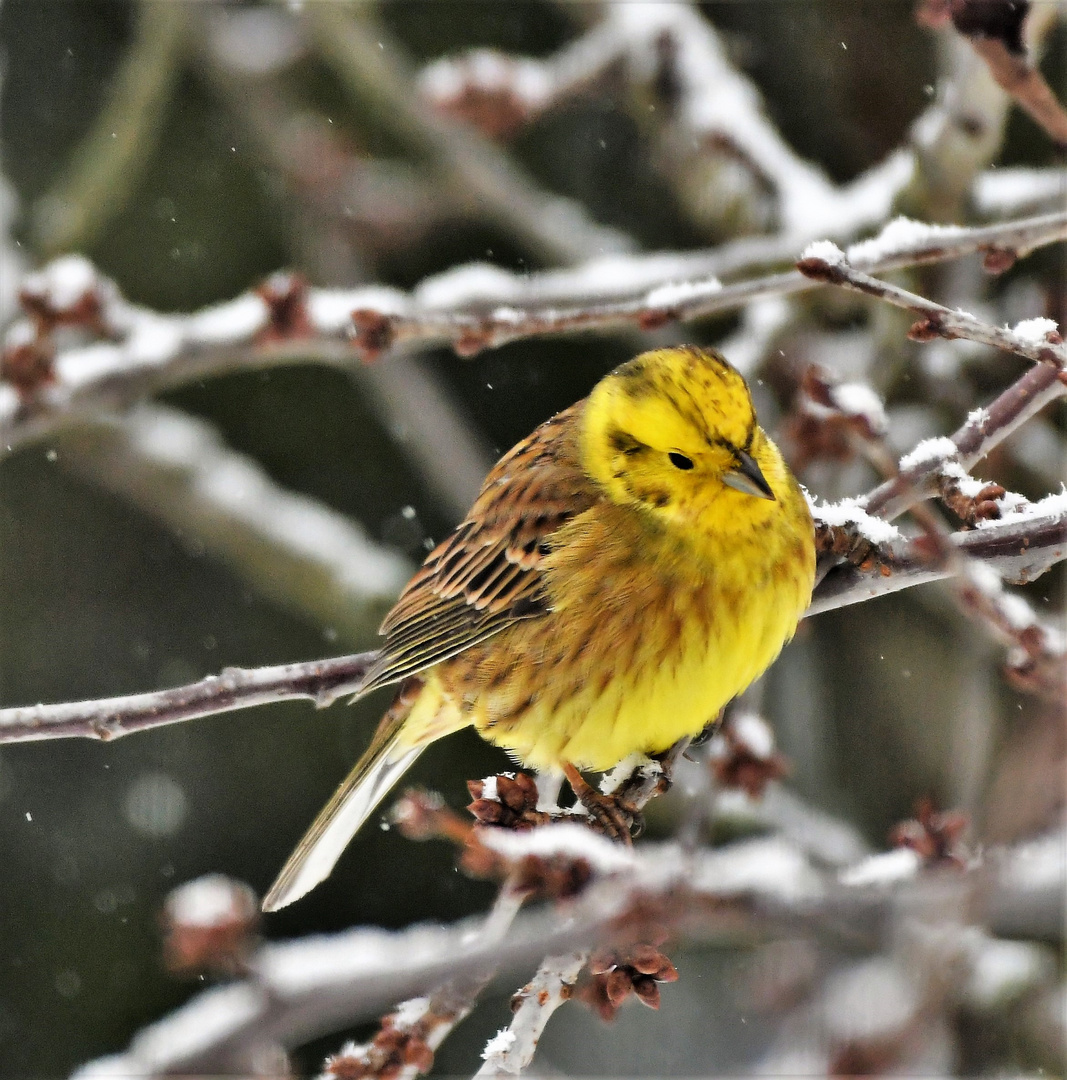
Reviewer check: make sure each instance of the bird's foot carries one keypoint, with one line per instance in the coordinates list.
(614, 816)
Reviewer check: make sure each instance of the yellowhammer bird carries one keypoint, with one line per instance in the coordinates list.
(625, 571)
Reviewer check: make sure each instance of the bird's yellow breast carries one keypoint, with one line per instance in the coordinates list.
(647, 638)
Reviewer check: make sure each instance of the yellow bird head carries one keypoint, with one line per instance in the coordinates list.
(674, 432)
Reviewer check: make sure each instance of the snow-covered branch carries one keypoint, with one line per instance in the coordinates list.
(47, 379)
(983, 430)
(302, 989)
(706, 114)
(1018, 549)
(1037, 339)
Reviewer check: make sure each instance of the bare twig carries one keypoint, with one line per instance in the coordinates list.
(323, 681)
(1036, 339)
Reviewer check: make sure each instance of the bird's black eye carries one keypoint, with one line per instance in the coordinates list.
(680, 461)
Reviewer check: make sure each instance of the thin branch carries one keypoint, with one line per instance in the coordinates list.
(322, 681)
(512, 1049)
(469, 308)
(984, 428)
(1036, 339)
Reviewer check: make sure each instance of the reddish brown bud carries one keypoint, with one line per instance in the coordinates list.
(486, 811)
(373, 332)
(617, 986)
(470, 343)
(925, 329)
(285, 296)
(647, 991)
(210, 926)
(645, 959)
(27, 365)
(654, 319)
(347, 1067)
(997, 260)
(602, 961)
(416, 1053)
(819, 269)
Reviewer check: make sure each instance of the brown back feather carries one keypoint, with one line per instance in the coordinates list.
(486, 575)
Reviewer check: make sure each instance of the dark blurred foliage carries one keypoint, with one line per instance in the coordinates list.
(97, 599)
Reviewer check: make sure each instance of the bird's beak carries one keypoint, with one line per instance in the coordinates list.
(747, 478)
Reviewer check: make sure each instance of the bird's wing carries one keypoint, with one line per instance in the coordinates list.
(486, 575)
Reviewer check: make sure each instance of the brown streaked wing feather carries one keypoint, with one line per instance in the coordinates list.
(485, 576)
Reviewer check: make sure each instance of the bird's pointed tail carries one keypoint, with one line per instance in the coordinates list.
(385, 761)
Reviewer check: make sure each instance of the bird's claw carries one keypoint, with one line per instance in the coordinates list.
(614, 816)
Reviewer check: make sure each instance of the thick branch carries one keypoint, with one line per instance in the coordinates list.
(304, 989)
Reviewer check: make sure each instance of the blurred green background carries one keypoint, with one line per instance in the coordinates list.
(99, 599)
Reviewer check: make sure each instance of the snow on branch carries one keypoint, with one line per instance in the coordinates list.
(1036, 339)
(513, 1047)
(303, 989)
(922, 469)
(82, 348)
(1018, 549)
